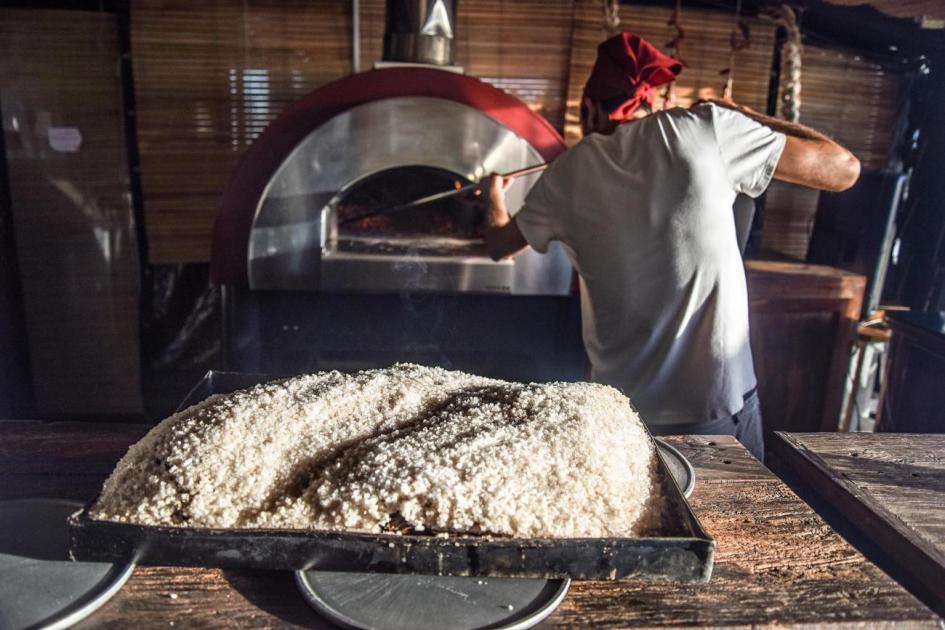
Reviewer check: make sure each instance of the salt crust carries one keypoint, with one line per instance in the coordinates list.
(426, 447)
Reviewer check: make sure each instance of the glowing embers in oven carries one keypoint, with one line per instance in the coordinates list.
(447, 227)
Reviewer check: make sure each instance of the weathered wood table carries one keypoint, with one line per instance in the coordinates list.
(884, 491)
(777, 562)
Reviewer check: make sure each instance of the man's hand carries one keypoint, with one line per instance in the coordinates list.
(497, 214)
(809, 158)
(503, 238)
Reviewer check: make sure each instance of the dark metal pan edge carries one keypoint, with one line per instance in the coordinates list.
(654, 558)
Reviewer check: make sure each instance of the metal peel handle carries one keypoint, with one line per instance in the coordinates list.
(446, 194)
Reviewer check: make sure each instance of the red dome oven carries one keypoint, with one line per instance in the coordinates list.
(373, 140)
(305, 287)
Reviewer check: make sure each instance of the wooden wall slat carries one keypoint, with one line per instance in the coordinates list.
(72, 216)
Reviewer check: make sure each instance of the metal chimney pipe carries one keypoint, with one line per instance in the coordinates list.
(420, 31)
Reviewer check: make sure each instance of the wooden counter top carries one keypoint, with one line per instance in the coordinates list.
(777, 562)
(887, 489)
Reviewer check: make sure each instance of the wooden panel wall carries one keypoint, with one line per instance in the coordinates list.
(72, 216)
(915, 367)
(851, 99)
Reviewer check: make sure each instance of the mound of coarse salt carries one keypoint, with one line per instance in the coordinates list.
(403, 447)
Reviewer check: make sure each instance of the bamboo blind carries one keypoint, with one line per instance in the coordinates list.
(72, 214)
(705, 50)
(520, 46)
(854, 101)
(209, 77)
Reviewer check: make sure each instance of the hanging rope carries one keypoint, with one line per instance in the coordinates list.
(791, 54)
(739, 39)
(611, 16)
(675, 46)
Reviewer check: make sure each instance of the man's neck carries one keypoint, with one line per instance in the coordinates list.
(614, 125)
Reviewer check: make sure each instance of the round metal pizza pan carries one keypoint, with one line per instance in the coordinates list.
(679, 467)
(420, 602)
(40, 586)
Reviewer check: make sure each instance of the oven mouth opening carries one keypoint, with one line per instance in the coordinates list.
(445, 228)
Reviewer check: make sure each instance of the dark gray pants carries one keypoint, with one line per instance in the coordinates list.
(744, 425)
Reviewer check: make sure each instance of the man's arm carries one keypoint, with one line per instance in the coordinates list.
(809, 158)
(502, 236)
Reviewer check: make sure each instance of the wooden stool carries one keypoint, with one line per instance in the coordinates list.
(867, 334)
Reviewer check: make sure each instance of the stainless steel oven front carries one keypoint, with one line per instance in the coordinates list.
(306, 234)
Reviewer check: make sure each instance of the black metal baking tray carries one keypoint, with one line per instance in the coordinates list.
(674, 546)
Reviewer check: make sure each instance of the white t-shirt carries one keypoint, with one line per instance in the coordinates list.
(645, 215)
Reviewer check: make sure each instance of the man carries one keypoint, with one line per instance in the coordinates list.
(643, 207)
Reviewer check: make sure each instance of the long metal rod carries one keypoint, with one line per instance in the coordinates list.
(446, 194)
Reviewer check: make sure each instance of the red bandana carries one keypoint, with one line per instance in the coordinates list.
(629, 66)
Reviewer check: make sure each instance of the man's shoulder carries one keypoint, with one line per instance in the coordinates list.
(700, 114)
(677, 129)
(590, 142)
(574, 156)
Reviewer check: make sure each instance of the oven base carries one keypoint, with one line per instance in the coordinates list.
(389, 274)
